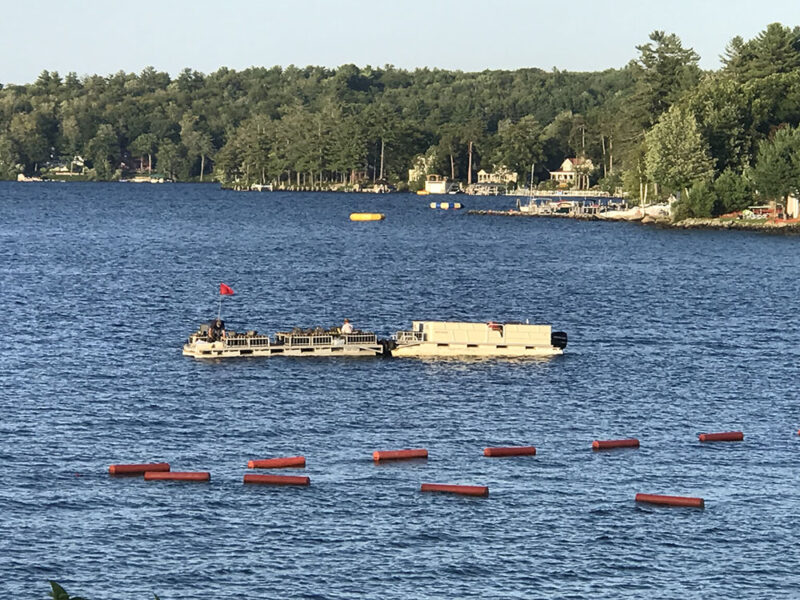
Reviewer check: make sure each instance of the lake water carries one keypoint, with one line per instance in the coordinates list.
(672, 333)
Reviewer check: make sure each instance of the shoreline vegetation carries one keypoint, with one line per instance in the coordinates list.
(718, 142)
(777, 226)
(764, 225)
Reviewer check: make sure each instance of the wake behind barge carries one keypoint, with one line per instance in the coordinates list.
(426, 339)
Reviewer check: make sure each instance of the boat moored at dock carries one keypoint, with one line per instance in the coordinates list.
(205, 343)
(490, 340)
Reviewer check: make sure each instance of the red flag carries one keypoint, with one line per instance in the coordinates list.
(225, 290)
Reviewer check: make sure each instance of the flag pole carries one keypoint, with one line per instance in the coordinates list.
(224, 290)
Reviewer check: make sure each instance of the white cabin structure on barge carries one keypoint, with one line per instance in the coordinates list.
(454, 338)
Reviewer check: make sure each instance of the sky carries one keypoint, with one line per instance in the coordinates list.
(92, 37)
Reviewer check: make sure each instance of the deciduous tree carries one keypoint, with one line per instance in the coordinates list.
(677, 155)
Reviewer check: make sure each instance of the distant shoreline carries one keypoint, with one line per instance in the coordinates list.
(781, 228)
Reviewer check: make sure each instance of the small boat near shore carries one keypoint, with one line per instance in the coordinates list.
(637, 213)
(297, 342)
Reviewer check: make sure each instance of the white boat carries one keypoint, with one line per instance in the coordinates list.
(458, 338)
(298, 342)
(144, 179)
(22, 177)
(637, 213)
(529, 208)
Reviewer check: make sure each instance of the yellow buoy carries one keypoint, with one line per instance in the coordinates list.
(367, 216)
(433, 205)
(422, 192)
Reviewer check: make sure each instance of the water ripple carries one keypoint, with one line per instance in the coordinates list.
(672, 333)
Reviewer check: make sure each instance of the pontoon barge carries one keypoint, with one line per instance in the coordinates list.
(453, 338)
(426, 339)
(316, 342)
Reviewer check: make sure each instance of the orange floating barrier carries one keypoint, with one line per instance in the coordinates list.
(277, 463)
(671, 500)
(510, 451)
(609, 444)
(464, 490)
(277, 479)
(137, 469)
(380, 455)
(728, 436)
(177, 476)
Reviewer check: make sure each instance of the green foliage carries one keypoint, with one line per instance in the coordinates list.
(610, 183)
(699, 203)
(322, 127)
(171, 160)
(665, 70)
(734, 192)
(9, 159)
(520, 145)
(103, 151)
(59, 593)
(29, 139)
(143, 146)
(777, 169)
(328, 124)
(730, 192)
(774, 50)
(677, 155)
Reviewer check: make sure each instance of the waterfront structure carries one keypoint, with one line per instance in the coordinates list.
(573, 174)
(486, 189)
(493, 184)
(423, 164)
(436, 184)
(500, 174)
(793, 208)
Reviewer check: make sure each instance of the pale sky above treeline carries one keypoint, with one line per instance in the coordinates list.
(92, 37)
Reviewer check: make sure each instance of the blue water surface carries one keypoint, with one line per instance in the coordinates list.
(672, 333)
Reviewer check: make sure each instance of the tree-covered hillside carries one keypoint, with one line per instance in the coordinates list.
(660, 125)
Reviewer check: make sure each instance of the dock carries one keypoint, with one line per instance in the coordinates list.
(518, 213)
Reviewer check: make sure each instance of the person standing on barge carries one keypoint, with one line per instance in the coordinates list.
(216, 331)
(347, 326)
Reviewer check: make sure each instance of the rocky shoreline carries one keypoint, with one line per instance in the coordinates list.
(764, 226)
(770, 226)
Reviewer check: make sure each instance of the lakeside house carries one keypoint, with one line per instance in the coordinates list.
(62, 168)
(573, 174)
(499, 175)
(422, 166)
(486, 189)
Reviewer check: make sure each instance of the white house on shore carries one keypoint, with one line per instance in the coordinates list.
(499, 174)
(423, 164)
(573, 174)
